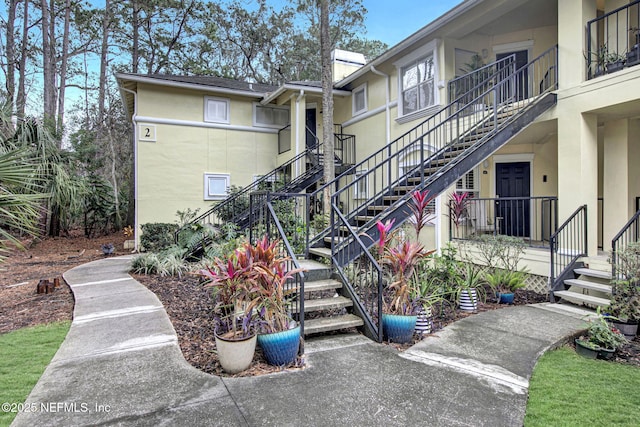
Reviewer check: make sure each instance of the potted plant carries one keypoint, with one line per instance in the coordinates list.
(506, 282)
(234, 303)
(279, 334)
(624, 306)
(400, 302)
(601, 337)
(470, 287)
(614, 62)
(633, 55)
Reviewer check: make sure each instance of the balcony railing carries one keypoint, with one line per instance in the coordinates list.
(534, 219)
(613, 40)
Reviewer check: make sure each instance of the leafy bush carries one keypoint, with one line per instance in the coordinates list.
(170, 262)
(157, 236)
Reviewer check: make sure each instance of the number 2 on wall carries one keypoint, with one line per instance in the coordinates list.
(147, 132)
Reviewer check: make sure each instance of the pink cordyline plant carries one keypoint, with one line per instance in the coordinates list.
(384, 235)
(419, 210)
(459, 204)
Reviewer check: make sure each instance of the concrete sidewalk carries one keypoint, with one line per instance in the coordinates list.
(120, 364)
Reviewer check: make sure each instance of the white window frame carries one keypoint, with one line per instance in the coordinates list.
(217, 119)
(361, 190)
(257, 105)
(208, 194)
(429, 49)
(354, 93)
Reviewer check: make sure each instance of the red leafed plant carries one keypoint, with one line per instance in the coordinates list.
(458, 207)
(419, 209)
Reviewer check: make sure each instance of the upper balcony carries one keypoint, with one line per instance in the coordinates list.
(613, 41)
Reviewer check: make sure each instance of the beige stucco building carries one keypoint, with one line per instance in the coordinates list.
(196, 136)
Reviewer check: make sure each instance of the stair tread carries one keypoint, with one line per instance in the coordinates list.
(582, 297)
(593, 273)
(321, 252)
(589, 285)
(322, 285)
(325, 324)
(326, 303)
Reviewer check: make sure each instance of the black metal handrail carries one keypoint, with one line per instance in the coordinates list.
(567, 244)
(362, 278)
(613, 40)
(628, 234)
(433, 144)
(469, 86)
(533, 219)
(265, 219)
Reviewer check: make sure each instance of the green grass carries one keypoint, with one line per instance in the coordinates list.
(24, 354)
(568, 390)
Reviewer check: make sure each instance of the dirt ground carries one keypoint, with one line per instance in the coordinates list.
(187, 304)
(48, 258)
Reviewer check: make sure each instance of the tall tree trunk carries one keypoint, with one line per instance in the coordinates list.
(103, 65)
(327, 103)
(21, 100)
(48, 62)
(11, 55)
(135, 54)
(64, 60)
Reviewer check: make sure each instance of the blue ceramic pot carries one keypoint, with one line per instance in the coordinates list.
(398, 328)
(280, 348)
(506, 297)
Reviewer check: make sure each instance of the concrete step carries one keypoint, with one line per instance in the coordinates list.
(322, 285)
(335, 323)
(585, 284)
(321, 252)
(576, 297)
(322, 304)
(598, 274)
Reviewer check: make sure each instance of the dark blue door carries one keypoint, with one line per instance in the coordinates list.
(514, 185)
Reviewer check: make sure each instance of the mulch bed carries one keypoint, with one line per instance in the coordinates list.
(188, 305)
(20, 305)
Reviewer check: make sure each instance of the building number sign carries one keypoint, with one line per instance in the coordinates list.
(146, 132)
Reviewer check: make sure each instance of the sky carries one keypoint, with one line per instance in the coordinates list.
(393, 21)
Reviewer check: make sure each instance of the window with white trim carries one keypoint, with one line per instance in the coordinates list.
(272, 116)
(216, 109)
(417, 80)
(469, 183)
(359, 100)
(362, 184)
(216, 186)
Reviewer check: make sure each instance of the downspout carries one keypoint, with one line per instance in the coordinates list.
(135, 166)
(297, 130)
(387, 101)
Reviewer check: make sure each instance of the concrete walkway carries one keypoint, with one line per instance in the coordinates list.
(120, 364)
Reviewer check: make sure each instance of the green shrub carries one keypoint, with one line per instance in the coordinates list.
(157, 236)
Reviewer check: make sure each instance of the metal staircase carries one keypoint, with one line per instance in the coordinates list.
(236, 208)
(432, 156)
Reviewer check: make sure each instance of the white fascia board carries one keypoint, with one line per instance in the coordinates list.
(269, 98)
(202, 88)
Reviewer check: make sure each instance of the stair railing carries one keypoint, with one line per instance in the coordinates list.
(567, 244)
(467, 87)
(264, 221)
(362, 279)
(630, 233)
(451, 132)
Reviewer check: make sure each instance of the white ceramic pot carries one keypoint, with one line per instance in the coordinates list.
(235, 355)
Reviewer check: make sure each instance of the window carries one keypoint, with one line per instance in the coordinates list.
(468, 183)
(362, 184)
(216, 109)
(417, 84)
(216, 186)
(270, 116)
(359, 100)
